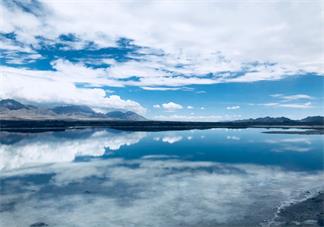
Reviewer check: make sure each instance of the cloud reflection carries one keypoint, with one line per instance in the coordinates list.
(291, 144)
(150, 192)
(65, 146)
(233, 138)
(171, 139)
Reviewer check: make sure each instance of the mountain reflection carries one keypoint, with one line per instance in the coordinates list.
(23, 150)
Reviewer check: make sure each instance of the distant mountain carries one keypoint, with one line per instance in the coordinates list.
(314, 119)
(11, 104)
(129, 115)
(73, 109)
(12, 109)
(267, 120)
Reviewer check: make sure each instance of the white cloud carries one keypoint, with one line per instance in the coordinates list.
(9, 45)
(233, 107)
(276, 95)
(297, 97)
(160, 88)
(59, 87)
(293, 97)
(202, 108)
(157, 106)
(13, 58)
(171, 106)
(179, 49)
(290, 101)
(190, 107)
(287, 34)
(305, 105)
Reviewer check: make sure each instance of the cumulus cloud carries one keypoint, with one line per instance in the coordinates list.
(284, 41)
(168, 58)
(171, 106)
(233, 107)
(190, 107)
(59, 87)
(156, 106)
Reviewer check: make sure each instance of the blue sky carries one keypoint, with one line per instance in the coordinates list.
(208, 60)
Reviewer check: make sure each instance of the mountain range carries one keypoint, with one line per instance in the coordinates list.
(311, 120)
(11, 109)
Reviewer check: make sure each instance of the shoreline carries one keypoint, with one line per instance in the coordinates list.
(61, 125)
(305, 132)
(306, 212)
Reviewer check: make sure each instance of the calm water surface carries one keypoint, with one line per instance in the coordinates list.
(186, 178)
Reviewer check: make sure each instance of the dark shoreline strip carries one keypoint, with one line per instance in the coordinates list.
(305, 132)
(54, 125)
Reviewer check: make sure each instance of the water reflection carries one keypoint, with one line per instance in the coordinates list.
(297, 152)
(150, 192)
(232, 137)
(291, 144)
(171, 139)
(189, 178)
(22, 150)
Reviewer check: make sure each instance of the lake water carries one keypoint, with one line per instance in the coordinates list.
(106, 177)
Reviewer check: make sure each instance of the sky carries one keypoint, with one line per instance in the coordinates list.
(169, 60)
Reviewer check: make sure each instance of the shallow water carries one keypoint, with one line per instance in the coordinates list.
(107, 177)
